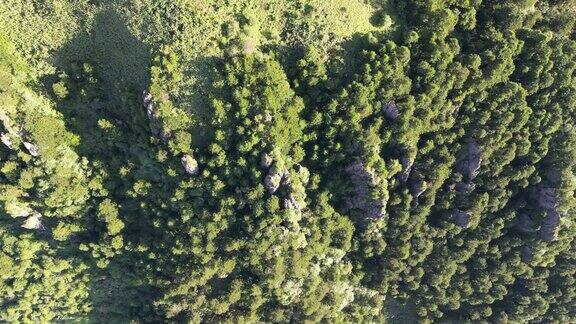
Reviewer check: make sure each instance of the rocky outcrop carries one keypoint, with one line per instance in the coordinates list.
(16, 132)
(390, 110)
(461, 218)
(526, 254)
(266, 161)
(464, 188)
(148, 103)
(361, 199)
(550, 226)
(548, 200)
(5, 138)
(407, 164)
(34, 222)
(470, 160)
(417, 187)
(190, 164)
(273, 180)
(32, 148)
(291, 203)
(15, 209)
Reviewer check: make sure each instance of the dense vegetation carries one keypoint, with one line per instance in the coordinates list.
(254, 161)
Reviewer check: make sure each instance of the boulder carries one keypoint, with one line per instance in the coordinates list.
(470, 160)
(461, 218)
(16, 210)
(32, 149)
(34, 222)
(464, 188)
(390, 110)
(5, 138)
(190, 164)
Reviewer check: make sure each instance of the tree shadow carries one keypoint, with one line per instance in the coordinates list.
(122, 60)
(111, 94)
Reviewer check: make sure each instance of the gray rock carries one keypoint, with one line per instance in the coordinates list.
(470, 160)
(464, 188)
(550, 226)
(5, 138)
(148, 103)
(406, 168)
(272, 181)
(461, 218)
(361, 198)
(390, 110)
(418, 187)
(547, 198)
(34, 222)
(266, 161)
(291, 203)
(526, 254)
(190, 164)
(32, 149)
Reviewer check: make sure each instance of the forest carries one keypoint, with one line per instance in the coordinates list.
(268, 161)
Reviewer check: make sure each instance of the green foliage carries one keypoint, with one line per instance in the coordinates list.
(254, 161)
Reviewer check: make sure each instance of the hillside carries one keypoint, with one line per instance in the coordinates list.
(287, 161)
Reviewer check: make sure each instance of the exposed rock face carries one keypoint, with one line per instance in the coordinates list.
(190, 164)
(550, 225)
(461, 218)
(34, 222)
(390, 110)
(407, 164)
(17, 210)
(470, 160)
(5, 138)
(165, 134)
(526, 254)
(274, 179)
(266, 161)
(418, 187)
(464, 188)
(292, 203)
(361, 199)
(148, 103)
(32, 149)
(548, 200)
(525, 224)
